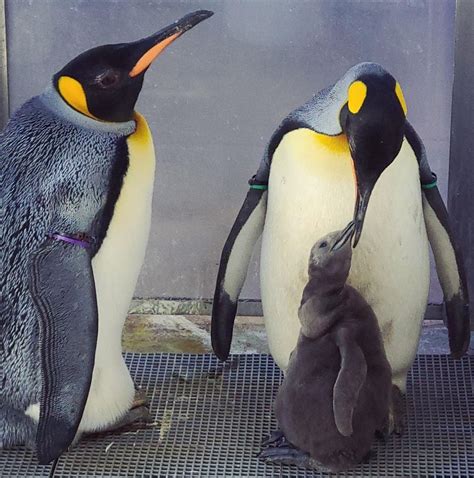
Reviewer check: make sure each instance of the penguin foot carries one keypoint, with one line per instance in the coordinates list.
(283, 452)
(396, 416)
(137, 418)
(397, 411)
(280, 451)
(286, 455)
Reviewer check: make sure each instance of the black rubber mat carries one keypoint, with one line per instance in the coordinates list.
(210, 420)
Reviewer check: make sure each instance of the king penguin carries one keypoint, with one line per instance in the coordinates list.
(349, 144)
(78, 171)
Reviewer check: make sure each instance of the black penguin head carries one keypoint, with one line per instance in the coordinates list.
(373, 120)
(104, 82)
(330, 258)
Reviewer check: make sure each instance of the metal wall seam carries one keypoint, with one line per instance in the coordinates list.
(3, 68)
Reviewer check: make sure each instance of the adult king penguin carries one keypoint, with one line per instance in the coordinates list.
(78, 171)
(348, 144)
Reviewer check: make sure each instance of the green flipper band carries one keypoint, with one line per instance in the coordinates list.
(430, 185)
(262, 187)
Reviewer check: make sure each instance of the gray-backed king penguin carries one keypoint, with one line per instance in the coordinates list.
(78, 170)
(350, 143)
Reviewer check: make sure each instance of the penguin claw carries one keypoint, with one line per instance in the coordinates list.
(399, 427)
(140, 399)
(397, 411)
(371, 455)
(383, 434)
(276, 438)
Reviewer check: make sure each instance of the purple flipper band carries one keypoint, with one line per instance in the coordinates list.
(84, 243)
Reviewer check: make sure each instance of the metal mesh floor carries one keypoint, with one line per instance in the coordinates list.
(211, 418)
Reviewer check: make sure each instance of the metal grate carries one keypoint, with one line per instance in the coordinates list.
(21, 463)
(211, 419)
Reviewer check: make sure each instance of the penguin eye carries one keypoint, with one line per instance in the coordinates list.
(323, 244)
(107, 79)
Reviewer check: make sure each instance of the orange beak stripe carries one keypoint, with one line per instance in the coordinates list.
(145, 61)
(356, 185)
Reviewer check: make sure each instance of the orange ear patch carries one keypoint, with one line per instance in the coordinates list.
(73, 94)
(401, 98)
(356, 96)
(145, 61)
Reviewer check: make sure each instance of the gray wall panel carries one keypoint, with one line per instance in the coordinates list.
(461, 171)
(214, 98)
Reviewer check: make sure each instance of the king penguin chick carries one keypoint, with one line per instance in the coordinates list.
(77, 182)
(337, 390)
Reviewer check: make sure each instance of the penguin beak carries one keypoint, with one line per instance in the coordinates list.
(345, 236)
(147, 49)
(364, 191)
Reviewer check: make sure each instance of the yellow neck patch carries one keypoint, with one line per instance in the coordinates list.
(142, 134)
(401, 98)
(336, 144)
(356, 96)
(141, 152)
(315, 155)
(73, 94)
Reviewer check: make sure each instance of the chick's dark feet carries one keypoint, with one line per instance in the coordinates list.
(285, 454)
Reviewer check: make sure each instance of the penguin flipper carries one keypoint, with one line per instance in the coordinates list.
(239, 245)
(349, 381)
(233, 267)
(62, 286)
(448, 256)
(450, 268)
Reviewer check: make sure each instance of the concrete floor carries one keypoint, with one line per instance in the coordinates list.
(191, 334)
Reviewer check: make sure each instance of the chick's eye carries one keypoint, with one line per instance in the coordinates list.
(107, 79)
(323, 244)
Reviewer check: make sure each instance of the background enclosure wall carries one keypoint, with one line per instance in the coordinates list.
(215, 96)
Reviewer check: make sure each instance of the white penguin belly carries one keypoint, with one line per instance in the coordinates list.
(312, 192)
(116, 267)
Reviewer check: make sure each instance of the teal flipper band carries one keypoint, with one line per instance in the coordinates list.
(430, 185)
(262, 187)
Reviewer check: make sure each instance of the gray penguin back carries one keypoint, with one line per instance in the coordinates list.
(57, 176)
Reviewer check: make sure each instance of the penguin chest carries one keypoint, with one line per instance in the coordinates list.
(311, 193)
(116, 267)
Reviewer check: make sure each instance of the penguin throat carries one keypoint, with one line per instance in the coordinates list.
(53, 101)
(321, 288)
